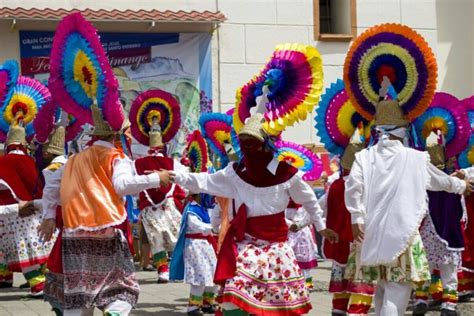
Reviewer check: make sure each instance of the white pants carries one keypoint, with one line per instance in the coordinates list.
(121, 307)
(391, 298)
(449, 278)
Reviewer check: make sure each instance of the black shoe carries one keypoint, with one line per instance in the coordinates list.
(211, 309)
(464, 298)
(5, 285)
(420, 309)
(24, 286)
(195, 312)
(448, 312)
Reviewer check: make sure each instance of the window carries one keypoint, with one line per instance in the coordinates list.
(334, 20)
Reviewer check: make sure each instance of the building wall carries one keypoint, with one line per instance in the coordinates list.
(246, 40)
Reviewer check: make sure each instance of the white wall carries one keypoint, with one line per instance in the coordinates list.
(246, 40)
(455, 47)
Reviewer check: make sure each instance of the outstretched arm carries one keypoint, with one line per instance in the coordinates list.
(217, 184)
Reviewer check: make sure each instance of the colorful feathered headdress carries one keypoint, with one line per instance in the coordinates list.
(50, 116)
(300, 157)
(196, 152)
(81, 75)
(154, 107)
(337, 119)
(446, 114)
(399, 53)
(220, 135)
(28, 96)
(8, 78)
(294, 79)
(466, 157)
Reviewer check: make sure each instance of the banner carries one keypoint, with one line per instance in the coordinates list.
(179, 63)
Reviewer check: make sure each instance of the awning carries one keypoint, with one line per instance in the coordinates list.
(103, 15)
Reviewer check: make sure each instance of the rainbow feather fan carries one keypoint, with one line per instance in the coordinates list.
(233, 135)
(28, 97)
(217, 130)
(196, 151)
(154, 104)
(336, 119)
(294, 77)
(81, 73)
(46, 120)
(466, 157)
(300, 157)
(8, 77)
(448, 115)
(469, 106)
(399, 53)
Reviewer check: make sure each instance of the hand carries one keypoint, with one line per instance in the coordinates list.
(294, 228)
(358, 232)
(324, 177)
(26, 208)
(469, 188)
(459, 174)
(330, 235)
(166, 176)
(46, 229)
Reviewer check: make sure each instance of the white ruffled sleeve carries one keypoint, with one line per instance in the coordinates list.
(51, 192)
(196, 226)
(126, 182)
(217, 184)
(354, 193)
(440, 181)
(301, 193)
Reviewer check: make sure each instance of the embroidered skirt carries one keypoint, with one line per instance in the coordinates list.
(305, 249)
(22, 245)
(437, 249)
(98, 269)
(162, 223)
(268, 280)
(199, 262)
(411, 266)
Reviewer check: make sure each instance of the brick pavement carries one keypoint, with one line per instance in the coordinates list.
(168, 299)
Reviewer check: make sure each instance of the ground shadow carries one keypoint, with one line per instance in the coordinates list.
(167, 309)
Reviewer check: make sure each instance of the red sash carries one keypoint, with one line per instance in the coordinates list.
(270, 228)
(210, 239)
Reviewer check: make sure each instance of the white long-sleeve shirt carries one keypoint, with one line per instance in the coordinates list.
(386, 191)
(260, 201)
(354, 194)
(196, 226)
(124, 180)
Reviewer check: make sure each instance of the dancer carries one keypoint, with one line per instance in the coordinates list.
(159, 211)
(261, 188)
(442, 237)
(349, 297)
(194, 258)
(378, 177)
(90, 186)
(301, 240)
(20, 182)
(54, 155)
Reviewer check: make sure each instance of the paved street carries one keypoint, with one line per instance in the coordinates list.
(166, 300)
